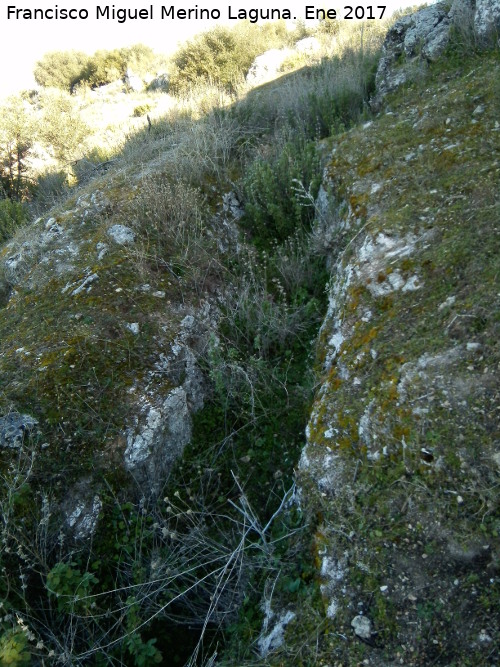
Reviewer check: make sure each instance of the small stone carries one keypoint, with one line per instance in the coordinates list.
(384, 589)
(448, 303)
(133, 327)
(102, 249)
(484, 637)
(362, 627)
(121, 234)
(478, 110)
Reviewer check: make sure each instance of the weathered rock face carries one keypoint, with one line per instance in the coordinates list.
(402, 432)
(160, 82)
(420, 38)
(13, 428)
(163, 426)
(133, 82)
(487, 20)
(103, 371)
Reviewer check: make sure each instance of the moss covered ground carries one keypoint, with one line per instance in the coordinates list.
(409, 358)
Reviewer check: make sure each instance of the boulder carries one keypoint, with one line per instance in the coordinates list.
(161, 83)
(420, 38)
(308, 45)
(411, 41)
(121, 234)
(266, 66)
(133, 82)
(13, 428)
(487, 20)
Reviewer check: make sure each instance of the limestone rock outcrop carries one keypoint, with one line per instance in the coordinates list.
(401, 432)
(422, 37)
(266, 66)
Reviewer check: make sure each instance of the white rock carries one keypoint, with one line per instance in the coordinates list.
(275, 638)
(102, 249)
(121, 234)
(133, 327)
(308, 45)
(362, 627)
(266, 66)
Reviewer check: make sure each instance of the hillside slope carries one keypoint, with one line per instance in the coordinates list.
(245, 423)
(401, 468)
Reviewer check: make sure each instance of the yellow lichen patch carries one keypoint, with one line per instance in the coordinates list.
(358, 204)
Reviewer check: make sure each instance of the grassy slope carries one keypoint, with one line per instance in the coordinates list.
(410, 404)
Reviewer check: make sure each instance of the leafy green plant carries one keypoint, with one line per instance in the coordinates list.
(14, 649)
(70, 586)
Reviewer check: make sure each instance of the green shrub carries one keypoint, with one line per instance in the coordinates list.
(14, 649)
(67, 69)
(224, 55)
(142, 110)
(61, 69)
(274, 192)
(49, 188)
(69, 586)
(12, 216)
(107, 66)
(140, 58)
(62, 127)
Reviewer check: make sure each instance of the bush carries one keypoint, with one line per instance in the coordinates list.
(274, 205)
(12, 216)
(223, 55)
(142, 110)
(62, 126)
(108, 66)
(61, 69)
(14, 648)
(67, 69)
(49, 188)
(105, 67)
(18, 129)
(172, 235)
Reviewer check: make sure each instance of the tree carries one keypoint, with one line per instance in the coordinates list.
(61, 125)
(17, 136)
(61, 69)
